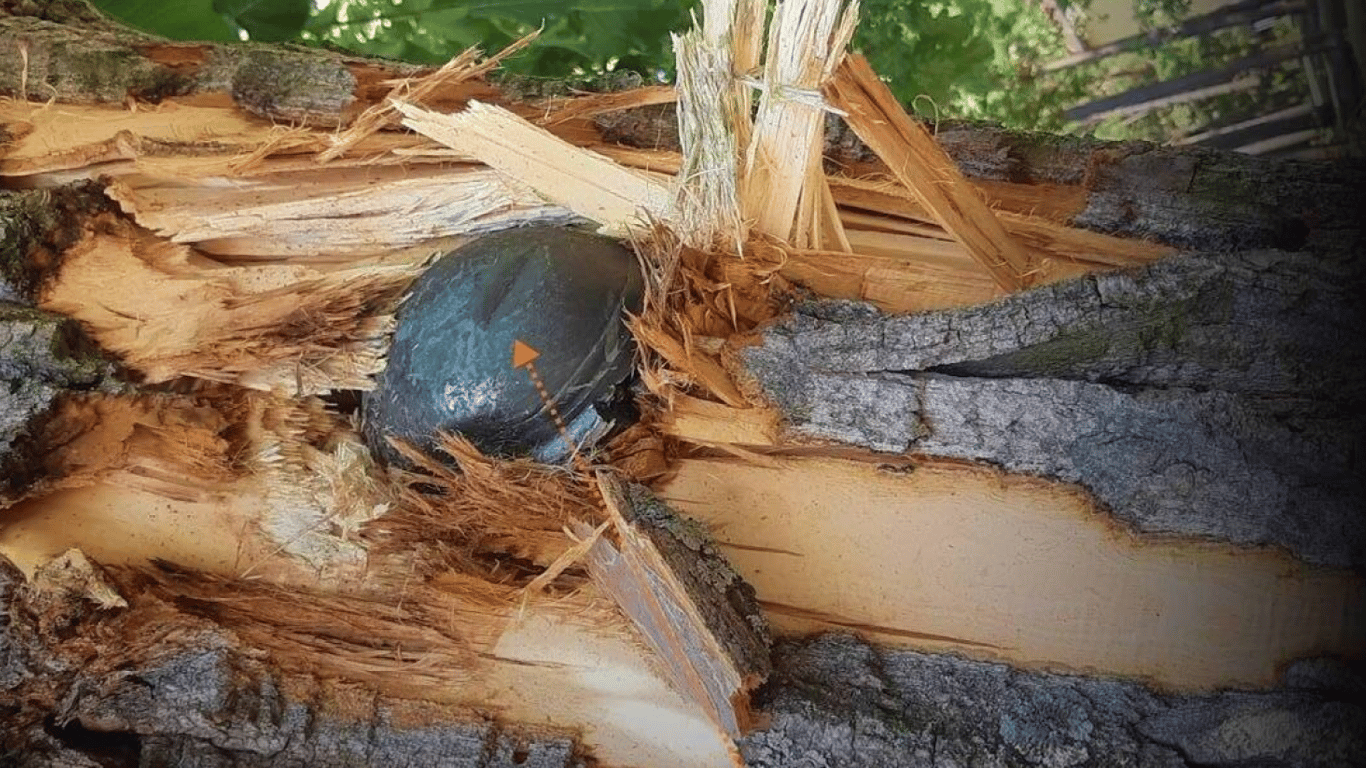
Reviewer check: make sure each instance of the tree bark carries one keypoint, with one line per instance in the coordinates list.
(835, 700)
(1205, 395)
(42, 354)
(203, 699)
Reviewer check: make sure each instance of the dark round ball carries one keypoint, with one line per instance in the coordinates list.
(560, 291)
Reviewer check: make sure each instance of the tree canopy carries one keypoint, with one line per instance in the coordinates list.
(966, 58)
(954, 59)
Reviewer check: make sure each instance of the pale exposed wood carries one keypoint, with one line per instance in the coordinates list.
(741, 24)
(150, 479)
(1055, 202)
(693, 362)
(896, 282)
(1043, 237)
(332, 214)
(706, 188)
(922, 166)
(678, 594)
(1052, 202)
(243, 209)
(854, 218)
(806, 39)
(652, 160)
(560, 671)
(67, 136)
(1052, 241)
(463, 68)
(234, 485)
(149, 497)
(964, 559)
(592, 186)
(561, 111)
(168, 312)
(705, 422)
(271, 491)
(568, 558)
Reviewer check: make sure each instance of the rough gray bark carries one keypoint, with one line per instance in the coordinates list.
(727, 602)
(101, 62)
(1206, 395)
(201, 701)
(836, 701)
(42, 355)
(36, 226)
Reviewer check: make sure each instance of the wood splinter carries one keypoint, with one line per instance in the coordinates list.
(923, 167)
(699, 617)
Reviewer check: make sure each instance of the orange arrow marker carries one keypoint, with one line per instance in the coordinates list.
(524, 356)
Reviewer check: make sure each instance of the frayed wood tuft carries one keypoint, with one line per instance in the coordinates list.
(361, 638)
(462, 68)
(503, 521)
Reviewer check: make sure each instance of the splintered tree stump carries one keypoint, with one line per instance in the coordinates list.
(957, 447)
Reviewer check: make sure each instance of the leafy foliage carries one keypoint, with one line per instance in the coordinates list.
(970, 58)
(213, 20)
(184, 20)
(965, 59)
(267, 20)
(577, 36)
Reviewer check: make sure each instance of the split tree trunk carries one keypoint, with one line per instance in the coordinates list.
(1213, 394)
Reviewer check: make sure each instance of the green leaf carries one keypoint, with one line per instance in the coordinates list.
(182, 20)
(267, 20)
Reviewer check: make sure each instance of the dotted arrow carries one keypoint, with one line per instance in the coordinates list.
(524, 356)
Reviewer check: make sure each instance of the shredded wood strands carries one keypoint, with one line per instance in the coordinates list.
(329, 215)
(706, 199)
(501, 520)
(464, 67)
(714, 120)
(738, 24)
(282, 141)
(329, 333)
(923, 167)
(641, 453)
(580, 107)
(321, 483)
(165, 444)
(168, 312)
(365, 639)
(887, 206)
(806, 40)
(617, 198)
(696, 366)
(570, 558)
(1090, 249)
(692, 295)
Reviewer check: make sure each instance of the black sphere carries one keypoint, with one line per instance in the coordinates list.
(559, 291)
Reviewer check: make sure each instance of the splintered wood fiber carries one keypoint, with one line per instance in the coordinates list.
(459, 518)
